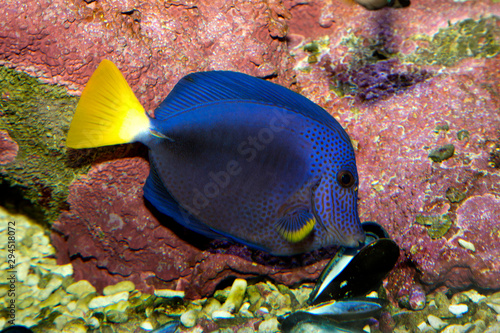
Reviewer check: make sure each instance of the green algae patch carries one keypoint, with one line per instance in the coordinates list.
(37, 117)
(437, 225)
(463, 39)
(455, 195)
(440, 154)
(463, 135)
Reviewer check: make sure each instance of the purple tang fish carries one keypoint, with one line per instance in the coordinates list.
(233, 157)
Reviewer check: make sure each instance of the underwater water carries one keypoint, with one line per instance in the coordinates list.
(415, 88)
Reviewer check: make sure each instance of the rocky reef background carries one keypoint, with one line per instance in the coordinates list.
(416, 89)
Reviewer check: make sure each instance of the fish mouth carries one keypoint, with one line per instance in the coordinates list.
(352, 238)
(355, 236)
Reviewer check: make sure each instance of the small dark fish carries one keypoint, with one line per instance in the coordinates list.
(233, 157)
(303, 322)
(334, 316)
(349, 309)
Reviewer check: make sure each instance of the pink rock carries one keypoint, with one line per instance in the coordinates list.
(153, 43)
(8, 148)
(400, 182)
(417, 298)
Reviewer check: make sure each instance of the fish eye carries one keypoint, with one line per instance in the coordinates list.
(345, 178)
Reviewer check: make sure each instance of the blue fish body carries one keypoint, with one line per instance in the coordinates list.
(239, 158)
(243, 157)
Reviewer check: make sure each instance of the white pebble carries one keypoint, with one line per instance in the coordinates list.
(79, 288)
(436, 322)
(23, 270)
(494, 306)
(210, 306)
(235, 297)
(467, 245)
(169, 293)
(262, 311)
(244, 312)
(63, 270)
(474, 295)
(457, 328)
(94, 322)
(61, 321)
(47, 261)
(71, 306)
(272, 286)
(28, 322)
(458, 309)
(118, 288)
(32, 280)
(268, 326)
(221, 314)
(77, 314)
(103, 301)
(189, 318)
(121, 306)
(422, 326)
(146, 325)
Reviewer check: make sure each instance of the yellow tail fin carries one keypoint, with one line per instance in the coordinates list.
(108, 112)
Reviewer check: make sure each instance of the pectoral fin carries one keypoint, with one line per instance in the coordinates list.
(296, 225)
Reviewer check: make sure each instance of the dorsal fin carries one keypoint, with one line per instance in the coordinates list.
(209, 87)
